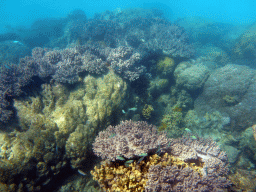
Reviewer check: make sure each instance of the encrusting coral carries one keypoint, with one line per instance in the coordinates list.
(133, 163)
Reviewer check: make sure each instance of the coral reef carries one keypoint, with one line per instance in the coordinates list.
(254, 131)
(129, 140)
(65, 65)
(172, 121)
(13, 78)
(210, 121)
(243, 180)
(165, 66)
(230, 100)
(245, 45)
(123, 60)
(12, 51)
(248, 144)
(171, 39)
(157, 86)
(232, 80)
(56, 129)
(200, 160)
(191, 74)
(215, 54)
(147, 110)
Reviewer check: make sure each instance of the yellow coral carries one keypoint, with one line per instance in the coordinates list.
(147, 110)
(165, 65)
(115, 177)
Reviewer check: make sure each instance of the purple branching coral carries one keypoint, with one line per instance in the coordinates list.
(65, 65)
(129, 139)
(188, 164)
(123, 60)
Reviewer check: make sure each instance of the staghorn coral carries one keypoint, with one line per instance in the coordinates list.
(129, 139)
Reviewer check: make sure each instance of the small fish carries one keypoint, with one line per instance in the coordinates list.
(140, 160)
(120, 158)
(188, 130)
(129, 162)
(143, 155)
(81, 172)
(193, 137)
(18, 42)
(123, 111)
(132, 109)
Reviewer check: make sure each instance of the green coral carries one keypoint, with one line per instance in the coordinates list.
(165, 66)
(171, 122)
(57, 126)
(147, 110)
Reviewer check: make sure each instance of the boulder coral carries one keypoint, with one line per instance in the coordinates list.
(191, 74)
(237, 82)
(245, 45)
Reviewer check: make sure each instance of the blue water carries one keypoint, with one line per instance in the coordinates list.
(24, 12)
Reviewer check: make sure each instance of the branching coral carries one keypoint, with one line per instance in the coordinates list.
(129, 139)
(189, 165)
